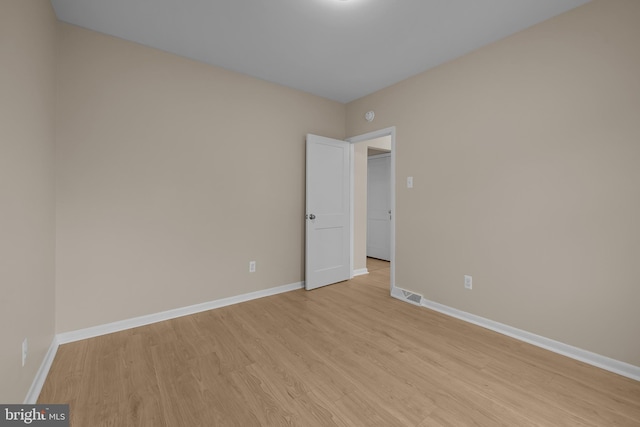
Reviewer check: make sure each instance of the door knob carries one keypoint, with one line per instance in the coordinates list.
(312, 216)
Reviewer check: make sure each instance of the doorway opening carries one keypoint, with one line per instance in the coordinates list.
(373, 224)
(378, 204)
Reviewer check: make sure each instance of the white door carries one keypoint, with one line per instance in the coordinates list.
(379, 207)
(327, 257)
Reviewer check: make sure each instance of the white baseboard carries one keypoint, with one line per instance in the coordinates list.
(360, 272)
(81, 334)
(67, 337)
(612, 365)
(401, 294)
(41, 375)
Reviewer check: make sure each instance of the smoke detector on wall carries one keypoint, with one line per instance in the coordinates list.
(369, 116)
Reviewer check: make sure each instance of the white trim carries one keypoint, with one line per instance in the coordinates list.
(94, 331)
(378, 156)
(67, 337)
(41, 375)
(390, 131)
(360, 272)
(352, 206)
(603, 362)
(396, 292)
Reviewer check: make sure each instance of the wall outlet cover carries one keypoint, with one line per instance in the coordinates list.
(468, 282)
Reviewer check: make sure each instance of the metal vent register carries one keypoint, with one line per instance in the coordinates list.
(410, 296)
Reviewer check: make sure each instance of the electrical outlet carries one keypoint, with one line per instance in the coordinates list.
(252, 266)
(25, 349)
(468, 282)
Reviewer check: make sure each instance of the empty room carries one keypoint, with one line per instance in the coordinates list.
(320, 212)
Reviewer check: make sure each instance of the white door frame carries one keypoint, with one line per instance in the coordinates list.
(390, 131)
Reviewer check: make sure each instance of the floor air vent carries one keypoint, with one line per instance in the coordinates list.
(410, 296)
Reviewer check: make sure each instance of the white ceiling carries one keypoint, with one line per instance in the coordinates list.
(341, 50)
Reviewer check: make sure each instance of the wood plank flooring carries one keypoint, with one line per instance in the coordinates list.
(343, 355)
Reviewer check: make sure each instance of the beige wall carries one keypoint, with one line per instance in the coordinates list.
(171, 176)
(382, 144)
(27, 64)
(525, 163)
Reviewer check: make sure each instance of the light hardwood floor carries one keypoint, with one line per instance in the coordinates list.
(346, 355)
